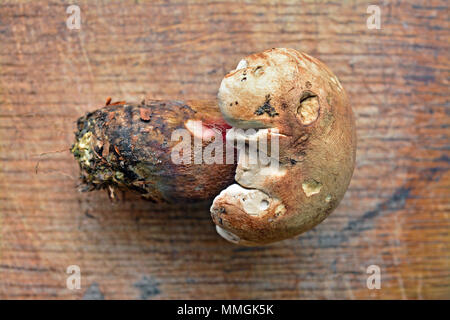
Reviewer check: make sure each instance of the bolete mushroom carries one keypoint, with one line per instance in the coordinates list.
(295, 98)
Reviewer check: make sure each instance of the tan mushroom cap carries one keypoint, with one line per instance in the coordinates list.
(298, 103)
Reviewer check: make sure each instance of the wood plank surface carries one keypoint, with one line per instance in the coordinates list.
(394, 215)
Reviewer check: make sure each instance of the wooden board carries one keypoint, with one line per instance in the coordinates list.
(394, 215)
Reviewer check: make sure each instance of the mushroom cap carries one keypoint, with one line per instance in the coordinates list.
(296, 102)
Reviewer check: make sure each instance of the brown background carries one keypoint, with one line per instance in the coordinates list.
(395, 213)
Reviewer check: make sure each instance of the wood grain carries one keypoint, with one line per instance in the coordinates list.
(395, 214)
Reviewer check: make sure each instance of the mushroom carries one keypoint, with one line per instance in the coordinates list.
(293, 102)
